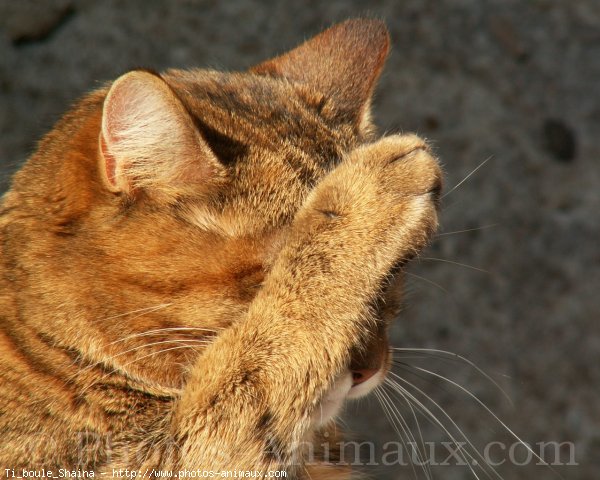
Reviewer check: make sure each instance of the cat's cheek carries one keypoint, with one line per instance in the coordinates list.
(332, 402)
(342, 390)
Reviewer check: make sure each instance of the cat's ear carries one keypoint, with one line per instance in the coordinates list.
(148, 139)
(342, 62)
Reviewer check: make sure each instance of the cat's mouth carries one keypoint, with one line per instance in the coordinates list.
(364, 381)
(351, 384)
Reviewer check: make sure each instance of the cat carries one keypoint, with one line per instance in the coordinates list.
(198, 268)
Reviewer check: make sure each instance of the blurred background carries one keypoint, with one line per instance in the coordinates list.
(508, 92)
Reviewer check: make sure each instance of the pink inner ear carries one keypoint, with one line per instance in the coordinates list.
(148, 139)
(110, 165)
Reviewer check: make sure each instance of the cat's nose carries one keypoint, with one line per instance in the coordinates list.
(362, 375)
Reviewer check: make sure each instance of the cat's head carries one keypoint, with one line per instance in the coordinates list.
(240, 151)
(160, 202)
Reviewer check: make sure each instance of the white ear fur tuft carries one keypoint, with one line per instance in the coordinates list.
(148, 139)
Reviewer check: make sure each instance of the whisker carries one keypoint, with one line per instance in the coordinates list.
(112, 357)
(181, 340)
(431, 282)
(420, 455)
(343, 422)
(385, 405)
(133, 361)
(406, 429)
(428, 415)
(408, 369)
(476, 229)
(482, 404)
(432, 416)
(454, 263)
(158, 331)
(156, 353)
(141, 311)
(447, 207)
(467, 177)
(456, 356)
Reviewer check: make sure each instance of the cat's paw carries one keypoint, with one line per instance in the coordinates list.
(404, 164)
(383, 197)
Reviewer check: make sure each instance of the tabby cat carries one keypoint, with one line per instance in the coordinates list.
(198, 268)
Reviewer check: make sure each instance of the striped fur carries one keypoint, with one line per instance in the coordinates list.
(191, 260)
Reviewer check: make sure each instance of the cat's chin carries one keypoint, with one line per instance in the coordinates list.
(342, 390)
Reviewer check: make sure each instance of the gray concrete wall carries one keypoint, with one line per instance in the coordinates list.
(516, 83)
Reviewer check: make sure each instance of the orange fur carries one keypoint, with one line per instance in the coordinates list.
(191, 259)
